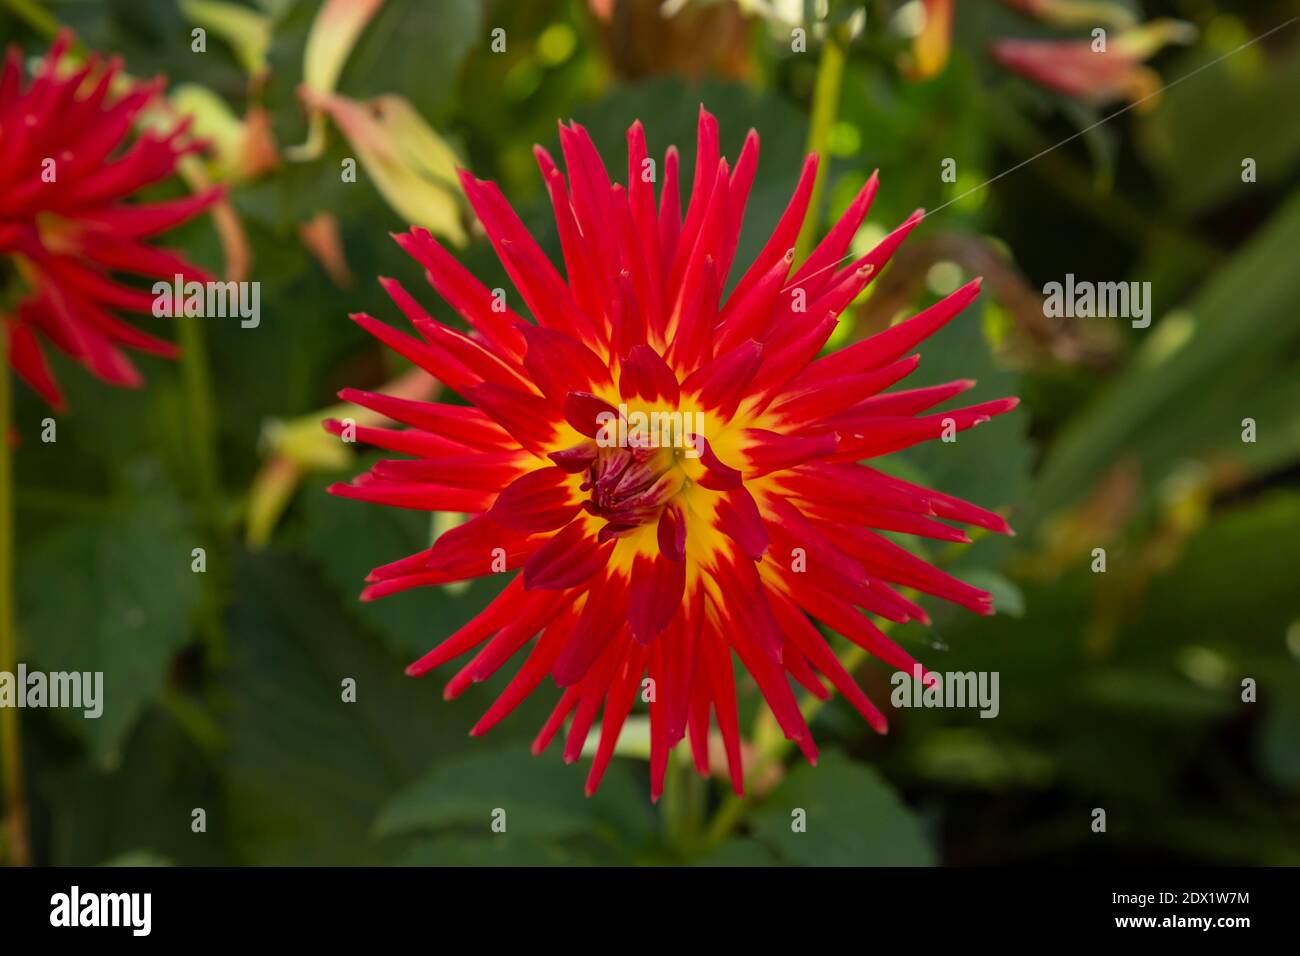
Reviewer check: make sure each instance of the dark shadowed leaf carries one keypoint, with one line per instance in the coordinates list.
(112, 594)
(537, 798)
(853, 817)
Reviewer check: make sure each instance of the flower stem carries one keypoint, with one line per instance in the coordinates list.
(684, 798)
(11, 757)
(733, 808)
(674, 803)
(34, 15)
(202, 419)
(825, 110)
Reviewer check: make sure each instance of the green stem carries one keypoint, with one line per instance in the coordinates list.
(733, 808)
(11, 757)
(34, 15)
(725, 820)
(195, 720)
(684, 798)
(825, 110)
(674, 802)
(202, 431)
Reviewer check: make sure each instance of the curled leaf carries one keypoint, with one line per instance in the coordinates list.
(241, 149)
(247, 31)
(410, 164)
(295, 448)
(1078, 69)
(334, 33)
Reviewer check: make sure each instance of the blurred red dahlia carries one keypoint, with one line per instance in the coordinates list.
(645, 558)
(64, 173)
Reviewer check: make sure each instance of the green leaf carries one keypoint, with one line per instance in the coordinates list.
(1166, 697)
(114, 594)
(1279, 743)
(142, 810)
(410, 47)
(541, 799)
(1007, 596)
(307, 771)
(153, 38)
(989, 464)
(405, 159)
(971, 758)
(1127, 719)
(1191, 402)
(503, 849)
(854, 818)
(351, 538)
(738, 852)
(415, 48)
(1206, 126)
(247, 31)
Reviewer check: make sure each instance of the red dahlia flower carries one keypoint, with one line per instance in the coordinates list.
(644, 558)
(63, 178)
